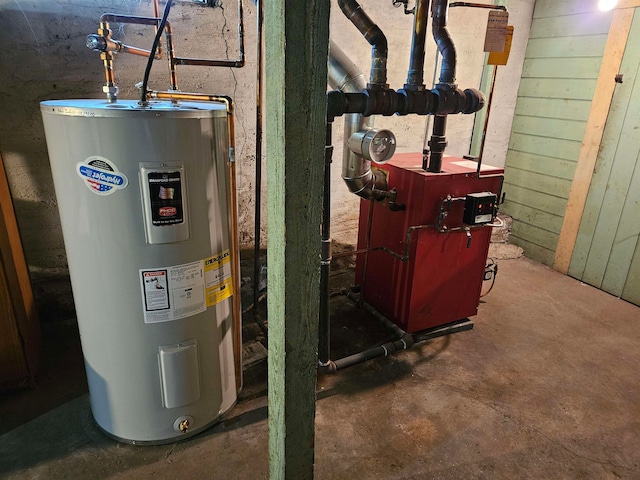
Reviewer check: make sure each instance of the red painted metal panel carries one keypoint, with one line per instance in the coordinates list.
(441, 280)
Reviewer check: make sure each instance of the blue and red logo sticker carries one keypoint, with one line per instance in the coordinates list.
(101, 176)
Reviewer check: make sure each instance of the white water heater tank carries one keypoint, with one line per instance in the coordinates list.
(143, 195)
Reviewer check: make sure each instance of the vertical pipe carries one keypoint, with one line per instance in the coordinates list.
(447, 49)
(258, 185)
(443, 41)
(233, 214)
(324, 330)
(437, 144)
(372, 33)
(415, 76)
(235, 264)
(171, 57)
(156, 13)
(486, 119)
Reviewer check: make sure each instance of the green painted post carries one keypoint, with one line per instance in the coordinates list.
(296, 51)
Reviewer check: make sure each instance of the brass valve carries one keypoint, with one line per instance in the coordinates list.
(184, 426)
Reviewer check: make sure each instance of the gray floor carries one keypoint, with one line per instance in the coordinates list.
(545, 387)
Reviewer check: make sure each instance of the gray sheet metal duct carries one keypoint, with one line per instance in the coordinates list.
(356, 171)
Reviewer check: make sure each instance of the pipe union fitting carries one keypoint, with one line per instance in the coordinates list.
(474, 100)
(111, 91)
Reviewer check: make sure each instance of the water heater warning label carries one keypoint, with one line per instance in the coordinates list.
(171, 293)
(218, 281)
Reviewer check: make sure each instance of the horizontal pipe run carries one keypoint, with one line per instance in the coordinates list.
(438, 101)
(382, 351)
(457, 327)
(478, 5)
(141, 52)
(132, 19)
(203, 62)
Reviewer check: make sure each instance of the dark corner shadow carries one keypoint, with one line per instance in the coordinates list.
(53, 440)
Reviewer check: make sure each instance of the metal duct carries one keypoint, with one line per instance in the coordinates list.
(356, 171)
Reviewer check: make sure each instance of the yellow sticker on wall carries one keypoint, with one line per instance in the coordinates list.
(217, 276)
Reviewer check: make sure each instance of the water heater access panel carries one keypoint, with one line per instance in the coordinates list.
(440, 281)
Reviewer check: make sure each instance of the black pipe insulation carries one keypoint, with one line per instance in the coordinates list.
(415, 75)
(373, 34)
(445, 45)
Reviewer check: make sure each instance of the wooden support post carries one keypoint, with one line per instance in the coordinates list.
(605, 86)
(296, 51)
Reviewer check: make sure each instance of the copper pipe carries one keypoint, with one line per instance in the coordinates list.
(107, 60)
(123, 48)
(156, 13)
(173, 60)
(132, 19)
(168, 29)
(258, 168)
(233, 207)
(202, 62)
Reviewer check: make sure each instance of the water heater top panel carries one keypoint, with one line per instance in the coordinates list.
(163, 108)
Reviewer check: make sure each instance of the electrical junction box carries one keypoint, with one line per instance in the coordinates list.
(479, 208)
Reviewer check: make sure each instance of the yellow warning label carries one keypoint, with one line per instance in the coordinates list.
(218, 280)
(501, 58)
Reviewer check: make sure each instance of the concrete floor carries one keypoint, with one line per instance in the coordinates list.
(545, 386)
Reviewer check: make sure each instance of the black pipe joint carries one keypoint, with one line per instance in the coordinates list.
(453, 100)
(380, 102)
(420, 102)
(372, 101)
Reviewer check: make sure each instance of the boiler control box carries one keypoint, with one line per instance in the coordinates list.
(479, 208)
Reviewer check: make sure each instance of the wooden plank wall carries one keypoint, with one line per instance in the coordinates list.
(607, 248)
(562, 63)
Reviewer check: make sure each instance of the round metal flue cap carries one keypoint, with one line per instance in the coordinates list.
(373, 144)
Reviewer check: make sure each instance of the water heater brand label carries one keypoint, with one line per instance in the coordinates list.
(101, 176)
(165, 192)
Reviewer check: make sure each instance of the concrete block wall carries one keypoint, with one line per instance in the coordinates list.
(43, 57)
